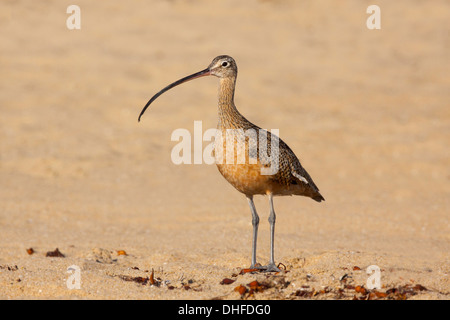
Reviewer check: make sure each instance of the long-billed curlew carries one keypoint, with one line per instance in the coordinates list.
(289, 177)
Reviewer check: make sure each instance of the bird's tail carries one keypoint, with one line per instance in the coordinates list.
(318, 197)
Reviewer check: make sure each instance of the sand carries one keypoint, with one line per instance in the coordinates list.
(366, 111)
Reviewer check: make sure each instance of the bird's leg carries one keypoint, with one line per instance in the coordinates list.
(255, 223)
(272, 218)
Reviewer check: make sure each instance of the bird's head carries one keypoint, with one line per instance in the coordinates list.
(223, 67)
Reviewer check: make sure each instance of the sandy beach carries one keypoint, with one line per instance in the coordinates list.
(366, 111)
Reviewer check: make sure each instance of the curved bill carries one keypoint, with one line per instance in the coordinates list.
(202, 73)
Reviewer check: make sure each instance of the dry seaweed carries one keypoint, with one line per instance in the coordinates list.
(55, 254)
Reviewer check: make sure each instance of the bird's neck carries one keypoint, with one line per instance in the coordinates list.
(229, 116)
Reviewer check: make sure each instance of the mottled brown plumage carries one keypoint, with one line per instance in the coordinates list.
(246, 177)
(289, 178)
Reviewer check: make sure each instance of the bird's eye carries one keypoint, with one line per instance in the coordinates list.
(225, 64)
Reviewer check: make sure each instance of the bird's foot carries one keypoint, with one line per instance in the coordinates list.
(271, 267)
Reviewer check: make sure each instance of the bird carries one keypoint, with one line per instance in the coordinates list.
(280, 174)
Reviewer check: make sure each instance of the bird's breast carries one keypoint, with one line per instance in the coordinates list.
(239, 163)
